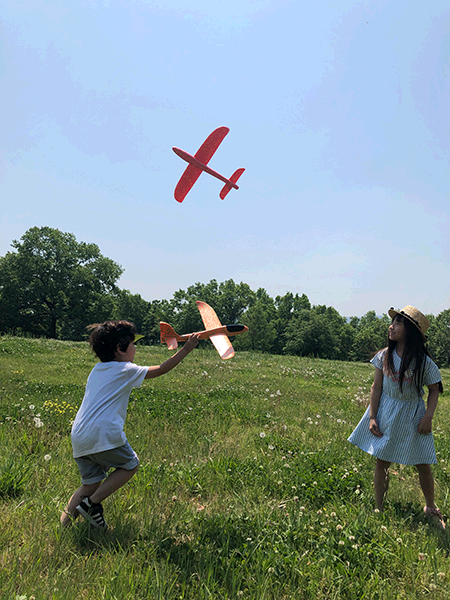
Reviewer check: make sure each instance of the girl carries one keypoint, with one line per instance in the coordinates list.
(396, 427)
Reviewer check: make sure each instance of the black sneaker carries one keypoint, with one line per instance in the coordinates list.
(92, 512)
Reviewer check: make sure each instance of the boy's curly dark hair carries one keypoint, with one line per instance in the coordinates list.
(105, 338)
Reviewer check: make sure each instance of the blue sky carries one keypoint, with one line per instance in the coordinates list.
(337, 110)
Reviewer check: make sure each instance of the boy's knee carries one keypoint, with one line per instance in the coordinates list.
(130, 472)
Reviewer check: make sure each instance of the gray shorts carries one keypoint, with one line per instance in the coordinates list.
(94, 467)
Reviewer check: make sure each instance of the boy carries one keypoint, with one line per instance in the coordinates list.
(98, 439)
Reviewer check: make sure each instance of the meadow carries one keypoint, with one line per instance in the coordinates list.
(247, 486)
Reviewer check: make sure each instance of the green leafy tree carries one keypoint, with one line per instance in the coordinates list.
(370, 335)
(54, 286)
(232, 301)
(259, 318)
(439, 339)
(287, 307)
(158, 310)
(320, 332)
(131, 307)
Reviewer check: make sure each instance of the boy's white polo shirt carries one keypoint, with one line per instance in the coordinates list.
(99, 422)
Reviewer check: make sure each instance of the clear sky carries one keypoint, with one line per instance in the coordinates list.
(338, 110)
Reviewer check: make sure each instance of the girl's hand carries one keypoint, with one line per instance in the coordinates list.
(373, 428)
(425, 424)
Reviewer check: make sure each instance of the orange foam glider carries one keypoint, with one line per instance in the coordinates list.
(219, 334)
(198, 164)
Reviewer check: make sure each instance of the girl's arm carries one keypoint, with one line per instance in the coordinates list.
(375, 395)
(174, 360)
(425, 422)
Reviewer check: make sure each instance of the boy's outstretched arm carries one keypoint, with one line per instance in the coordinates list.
(172, 362)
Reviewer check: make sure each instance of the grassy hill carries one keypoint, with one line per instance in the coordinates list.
(247, 486)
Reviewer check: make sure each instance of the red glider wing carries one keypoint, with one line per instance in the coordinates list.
(204, 154)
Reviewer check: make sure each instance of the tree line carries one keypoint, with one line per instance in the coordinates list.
(53, 286)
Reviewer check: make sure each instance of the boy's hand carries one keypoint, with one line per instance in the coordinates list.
(192, 342)
(425, 424)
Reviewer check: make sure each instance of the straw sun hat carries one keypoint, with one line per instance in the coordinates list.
(414, 315)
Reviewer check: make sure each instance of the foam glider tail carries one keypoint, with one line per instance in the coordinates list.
(227, 187)
(168, 336)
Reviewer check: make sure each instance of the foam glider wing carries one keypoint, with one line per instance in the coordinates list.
(211, 321)
(198, 163)
(219, 334)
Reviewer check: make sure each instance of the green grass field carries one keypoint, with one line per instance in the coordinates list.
(247, 487)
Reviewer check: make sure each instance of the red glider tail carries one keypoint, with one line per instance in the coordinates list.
(227, 187)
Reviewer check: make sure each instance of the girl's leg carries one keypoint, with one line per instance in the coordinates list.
(112, 483)
(70, 512)
(427, 484)
(381, 482)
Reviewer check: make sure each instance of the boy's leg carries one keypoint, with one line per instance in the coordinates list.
(94, 467)
(70, 512)
(112, 483)
(381, 482)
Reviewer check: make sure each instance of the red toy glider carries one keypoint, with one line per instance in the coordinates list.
(219, 334)
(198, 163)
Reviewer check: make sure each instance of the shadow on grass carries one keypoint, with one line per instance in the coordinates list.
(415, 518)
(88, 539)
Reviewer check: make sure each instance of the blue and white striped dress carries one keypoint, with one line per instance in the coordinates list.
(398, 418)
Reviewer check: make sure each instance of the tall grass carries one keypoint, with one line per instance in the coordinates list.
(247, 486)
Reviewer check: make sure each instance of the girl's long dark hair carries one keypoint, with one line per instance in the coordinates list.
(414, 353)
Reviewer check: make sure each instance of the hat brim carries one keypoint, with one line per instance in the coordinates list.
(137, 337)
(393, 313)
